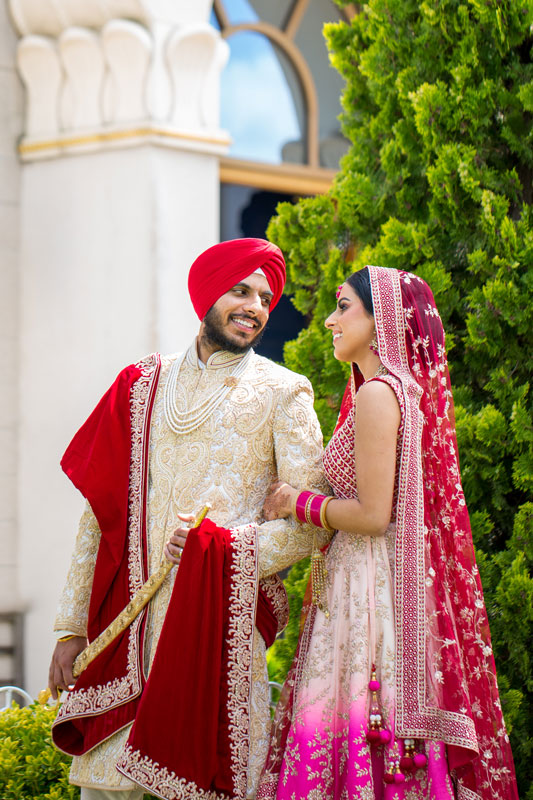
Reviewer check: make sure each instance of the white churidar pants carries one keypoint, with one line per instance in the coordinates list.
(107, 794)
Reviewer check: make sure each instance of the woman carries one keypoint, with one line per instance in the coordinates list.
(393, 690)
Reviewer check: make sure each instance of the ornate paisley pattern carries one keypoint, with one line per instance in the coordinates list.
(266, 427)
(275, 591)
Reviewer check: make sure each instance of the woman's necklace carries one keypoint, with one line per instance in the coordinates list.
(381, 370)
(185, 420)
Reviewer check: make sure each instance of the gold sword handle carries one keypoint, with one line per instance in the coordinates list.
(140, 599)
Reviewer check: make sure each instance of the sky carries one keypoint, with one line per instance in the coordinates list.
(256, 103)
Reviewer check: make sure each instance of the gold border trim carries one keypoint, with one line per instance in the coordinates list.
(103, 137)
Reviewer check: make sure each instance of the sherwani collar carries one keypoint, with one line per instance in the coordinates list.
(221, 359)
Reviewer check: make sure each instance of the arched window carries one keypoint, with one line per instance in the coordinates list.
(280, 96)
(261, 102)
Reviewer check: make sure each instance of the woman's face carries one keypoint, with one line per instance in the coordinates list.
(351, 325)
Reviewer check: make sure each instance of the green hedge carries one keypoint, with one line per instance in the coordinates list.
(30, 766)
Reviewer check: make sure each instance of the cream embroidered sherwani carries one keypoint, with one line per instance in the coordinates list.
(266, 427)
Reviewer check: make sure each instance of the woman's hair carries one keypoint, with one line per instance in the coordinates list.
(360, 283)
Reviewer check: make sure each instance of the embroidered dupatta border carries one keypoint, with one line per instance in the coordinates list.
(414, 718)
(119, 691)
(164, 783)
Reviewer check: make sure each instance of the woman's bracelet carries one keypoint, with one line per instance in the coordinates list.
(311, 509)
(300, 505)
(323, 519)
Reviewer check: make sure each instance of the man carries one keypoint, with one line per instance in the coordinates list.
(215, 424)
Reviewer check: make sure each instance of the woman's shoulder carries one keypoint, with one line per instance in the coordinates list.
(379, 396)
(379, 386)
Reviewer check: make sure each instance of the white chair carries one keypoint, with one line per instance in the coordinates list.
(6, 697)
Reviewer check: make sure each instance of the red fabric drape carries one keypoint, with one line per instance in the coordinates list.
(184, 698)
(98, 461)
(191, 732)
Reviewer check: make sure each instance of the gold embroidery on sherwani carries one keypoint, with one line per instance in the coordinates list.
(266, 427)
(74, 603)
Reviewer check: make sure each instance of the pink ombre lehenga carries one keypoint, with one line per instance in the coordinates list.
(408, 604)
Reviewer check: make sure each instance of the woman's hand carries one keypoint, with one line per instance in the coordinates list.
(176, 543)
(280, 500)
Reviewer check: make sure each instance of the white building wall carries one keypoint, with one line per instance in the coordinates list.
(11, 106)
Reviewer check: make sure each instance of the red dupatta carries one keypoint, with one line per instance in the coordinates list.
(446, 687)
(191, 731)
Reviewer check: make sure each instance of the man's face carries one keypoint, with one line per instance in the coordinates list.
(237, 320)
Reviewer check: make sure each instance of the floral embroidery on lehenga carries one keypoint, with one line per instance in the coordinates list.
(326, 753)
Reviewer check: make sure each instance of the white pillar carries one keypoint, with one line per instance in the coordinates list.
(11, 109)
(119, 194)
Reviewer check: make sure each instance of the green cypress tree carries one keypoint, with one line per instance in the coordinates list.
(438, 106)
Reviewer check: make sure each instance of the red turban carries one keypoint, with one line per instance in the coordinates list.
(224, 265)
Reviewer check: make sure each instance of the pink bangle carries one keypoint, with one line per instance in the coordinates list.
(314, 509)
(310, 508)
(317, 511)
(300, 505)
(323, 520)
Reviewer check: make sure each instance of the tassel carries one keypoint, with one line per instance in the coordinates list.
(377, 733)
(319, 574)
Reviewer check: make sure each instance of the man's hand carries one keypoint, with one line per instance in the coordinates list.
(176, 543)
(60, 674)
(279, 502)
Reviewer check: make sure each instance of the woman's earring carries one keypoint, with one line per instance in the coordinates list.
(374, 344)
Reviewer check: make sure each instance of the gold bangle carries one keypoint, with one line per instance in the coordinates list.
(67, 638)
(293, 504)
(308, 508)
(323, 519)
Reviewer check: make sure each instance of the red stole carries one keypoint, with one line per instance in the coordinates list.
(198, 693)
(107, 461)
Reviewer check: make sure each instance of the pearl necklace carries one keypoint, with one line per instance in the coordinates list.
(186, 420)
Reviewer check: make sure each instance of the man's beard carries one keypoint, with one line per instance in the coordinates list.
(214, 334)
